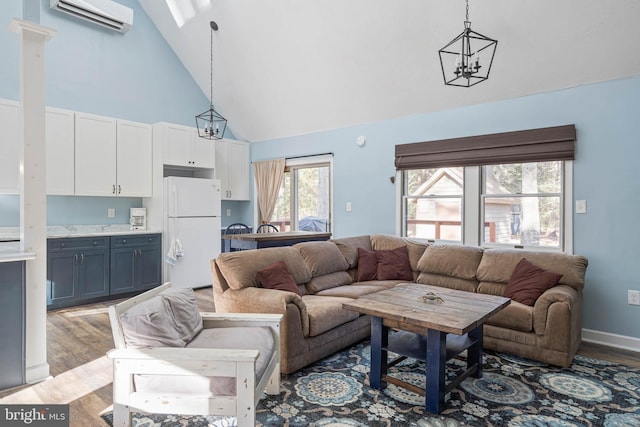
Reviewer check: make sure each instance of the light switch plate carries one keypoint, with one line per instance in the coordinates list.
(111, 213)
(581, 206)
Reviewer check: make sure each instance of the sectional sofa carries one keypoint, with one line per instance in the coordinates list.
(324, 275)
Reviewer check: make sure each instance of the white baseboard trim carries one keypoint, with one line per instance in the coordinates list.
(611, 340)
(37, 373)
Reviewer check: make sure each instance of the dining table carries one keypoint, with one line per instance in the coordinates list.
(247, 241)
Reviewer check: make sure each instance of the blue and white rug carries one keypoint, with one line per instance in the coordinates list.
(512, 392)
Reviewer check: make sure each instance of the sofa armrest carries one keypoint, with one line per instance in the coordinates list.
(260, 300)
(562, 299)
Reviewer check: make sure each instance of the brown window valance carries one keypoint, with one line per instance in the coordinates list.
(534, 145)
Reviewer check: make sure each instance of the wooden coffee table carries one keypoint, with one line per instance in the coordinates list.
(430, 330)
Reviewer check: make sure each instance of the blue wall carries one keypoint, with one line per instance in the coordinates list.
(605, 174)
(132, 76)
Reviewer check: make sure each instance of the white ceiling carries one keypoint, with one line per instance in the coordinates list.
(291, 67)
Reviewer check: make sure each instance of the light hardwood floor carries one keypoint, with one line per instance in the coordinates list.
(78, 339)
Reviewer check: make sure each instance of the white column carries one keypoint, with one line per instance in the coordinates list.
(33, 200)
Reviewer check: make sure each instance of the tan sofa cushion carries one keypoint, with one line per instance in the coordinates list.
(349, 247)
(451, 260)
(327, 281)
(322, 257)
(497, 265)
(349, 291)
(326, 313)
(240, 269)
(415, 247)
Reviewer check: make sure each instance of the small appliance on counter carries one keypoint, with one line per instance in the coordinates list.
(138, 218)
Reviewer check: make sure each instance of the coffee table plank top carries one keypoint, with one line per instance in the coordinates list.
(459, 313)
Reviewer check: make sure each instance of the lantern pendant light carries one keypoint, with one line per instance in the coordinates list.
(211, 124)
(466, 60)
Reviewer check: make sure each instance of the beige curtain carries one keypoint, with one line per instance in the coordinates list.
(268, 174)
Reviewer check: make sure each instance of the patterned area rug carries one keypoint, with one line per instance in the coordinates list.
(512, 392)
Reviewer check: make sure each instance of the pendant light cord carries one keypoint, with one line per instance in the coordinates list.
(211, 68)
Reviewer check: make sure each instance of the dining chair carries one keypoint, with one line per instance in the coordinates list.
(237, 228)
(267, 228)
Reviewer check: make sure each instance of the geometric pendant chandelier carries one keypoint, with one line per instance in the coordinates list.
(211, 124)
(466, 60)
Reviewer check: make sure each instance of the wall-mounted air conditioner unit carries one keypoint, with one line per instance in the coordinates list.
(107, 13)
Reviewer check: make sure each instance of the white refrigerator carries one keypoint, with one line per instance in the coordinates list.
(192, 226)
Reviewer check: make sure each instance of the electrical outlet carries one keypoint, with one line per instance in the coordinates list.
(111, 212)
(228, 212)
(633, 297)
(348, 206)
(581, 206)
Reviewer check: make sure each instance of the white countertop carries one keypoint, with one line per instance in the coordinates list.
(10, 252)
(10, 237)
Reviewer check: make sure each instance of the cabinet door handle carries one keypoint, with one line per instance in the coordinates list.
(114, 189)
(75, 259)
(119, 189)
(81, 258)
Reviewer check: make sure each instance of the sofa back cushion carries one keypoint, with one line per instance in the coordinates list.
(240, 269)
(415, 247)
(349, 247)
(322, 257)
(326, 263)
(451, 266)
(497, 266)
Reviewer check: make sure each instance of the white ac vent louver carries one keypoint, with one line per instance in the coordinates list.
(106, 13)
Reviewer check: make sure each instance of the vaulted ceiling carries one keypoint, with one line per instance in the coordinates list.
(289, 67)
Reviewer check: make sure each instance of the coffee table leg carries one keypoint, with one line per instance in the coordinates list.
(474, 353)
(379, 342)
(435, 375)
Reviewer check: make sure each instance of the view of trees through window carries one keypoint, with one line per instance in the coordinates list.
(304, 199)
(523, 202)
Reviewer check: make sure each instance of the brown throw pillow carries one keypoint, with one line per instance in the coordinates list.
(367, 265)
(277, 276)
(393, 264)
(528, 282)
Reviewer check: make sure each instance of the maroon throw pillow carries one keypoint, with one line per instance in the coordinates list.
(277, 276)
(393, 264)
(528, 282)
(367, 265)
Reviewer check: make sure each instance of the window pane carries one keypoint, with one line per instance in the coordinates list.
(313, 198)
(521, 220)
(523, 178)
(282, 213)
(433, 203)
(434, 218)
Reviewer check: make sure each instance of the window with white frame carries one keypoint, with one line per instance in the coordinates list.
(305, 196)
(469, 196)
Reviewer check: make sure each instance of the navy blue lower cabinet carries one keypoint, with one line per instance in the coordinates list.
(77, 270)
(135, 263)
(12, 309)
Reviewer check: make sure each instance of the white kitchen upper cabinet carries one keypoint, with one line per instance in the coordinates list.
(134, 159)
(10, 148)
(113, 157)
(95, 155)
(232, 169)
(183, 148)
(60, 152)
